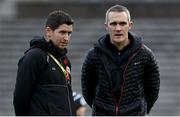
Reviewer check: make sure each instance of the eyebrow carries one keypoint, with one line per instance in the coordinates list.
(115, 23)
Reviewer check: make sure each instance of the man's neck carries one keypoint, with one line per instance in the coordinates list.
(120, 46)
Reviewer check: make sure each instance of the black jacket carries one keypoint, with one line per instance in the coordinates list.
(41, 88)
(120, 82)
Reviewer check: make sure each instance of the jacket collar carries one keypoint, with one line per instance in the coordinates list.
(105, 46)
(40, 42)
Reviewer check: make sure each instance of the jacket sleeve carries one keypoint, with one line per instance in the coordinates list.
(152, 81)
(88, 78)
(28, 71)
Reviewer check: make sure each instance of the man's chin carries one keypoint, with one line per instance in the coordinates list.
(120, 39)
(62, 47)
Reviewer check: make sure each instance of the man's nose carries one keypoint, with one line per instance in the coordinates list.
(66, 37)
(118, 27)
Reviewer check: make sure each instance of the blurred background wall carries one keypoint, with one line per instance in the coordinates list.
(157, 21)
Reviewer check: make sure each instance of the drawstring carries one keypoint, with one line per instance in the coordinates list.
(65, 71)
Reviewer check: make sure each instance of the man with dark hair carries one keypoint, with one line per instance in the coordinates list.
(43, 84)
(120, 75)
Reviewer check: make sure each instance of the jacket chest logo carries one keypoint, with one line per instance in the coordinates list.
(53, 69)
(137, 63)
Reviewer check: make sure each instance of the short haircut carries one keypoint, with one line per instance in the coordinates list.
(56, 18)
(117, 8)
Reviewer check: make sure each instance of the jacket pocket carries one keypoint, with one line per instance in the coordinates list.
(56, 98)
(55, 110)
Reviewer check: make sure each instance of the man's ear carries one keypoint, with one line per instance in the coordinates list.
(48, 33)
(130, 24)
(105, 24)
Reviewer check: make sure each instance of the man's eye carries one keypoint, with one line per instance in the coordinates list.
(69, 33)
(123, 23)
(120, 23)
(113, 24)
(62, 32)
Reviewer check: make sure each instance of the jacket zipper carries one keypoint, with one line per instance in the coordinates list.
(117, 110)
(70, 109)
(58, 63)
(118, 105)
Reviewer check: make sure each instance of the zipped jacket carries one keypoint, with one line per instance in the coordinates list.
(117, 83)
(41, 87)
